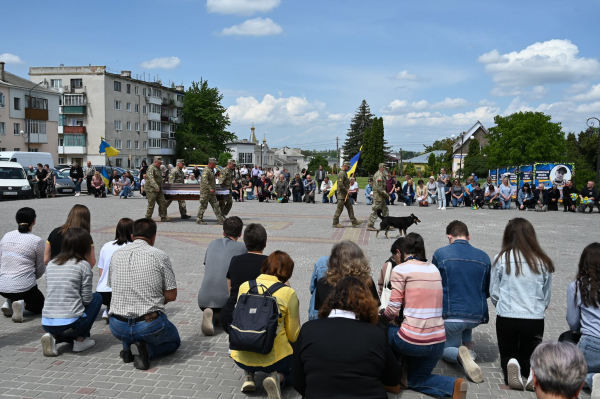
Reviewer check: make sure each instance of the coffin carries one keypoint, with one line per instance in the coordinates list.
(190, 192)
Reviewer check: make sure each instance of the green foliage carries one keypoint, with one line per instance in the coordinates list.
(314, 163)
(205, 124)
(409, 154)
(223, 158)
(582, 150)
(373, 146)
(431, 161)
(475, 162)
(525, 138)
(409, 169)
(444, 161)
(362, 120)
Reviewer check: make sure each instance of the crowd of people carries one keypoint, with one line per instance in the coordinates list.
(418, 312)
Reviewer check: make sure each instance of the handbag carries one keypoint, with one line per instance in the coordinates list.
(386, 292)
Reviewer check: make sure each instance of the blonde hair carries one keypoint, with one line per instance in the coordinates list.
(96, 173)
(79, 216)
(347, 259)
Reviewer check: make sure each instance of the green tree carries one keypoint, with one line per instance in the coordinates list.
(368, 149)
(475, 162)
(205, 124)
(582, 150)
(525, 138)
(443, 145)
(314, 163)
(223, 158)
(409, 169)
(431, 161)
(362, 119)
(373, 146)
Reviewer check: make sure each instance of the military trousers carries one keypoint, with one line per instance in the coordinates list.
(344, 202)
(378, 206)
(204, 201)
(182, 207)
(154, 197)
(225, 206)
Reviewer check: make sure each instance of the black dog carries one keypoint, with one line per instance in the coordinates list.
(401, 223)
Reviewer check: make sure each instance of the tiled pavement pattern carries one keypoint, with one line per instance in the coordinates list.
(201, 368)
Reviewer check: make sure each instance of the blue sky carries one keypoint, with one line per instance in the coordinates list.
(299, 69)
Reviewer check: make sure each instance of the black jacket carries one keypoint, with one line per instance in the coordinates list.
(76, 173)
(544, 196)
(297, 186)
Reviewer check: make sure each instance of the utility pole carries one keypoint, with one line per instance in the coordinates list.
(337, 146)
(401, 165)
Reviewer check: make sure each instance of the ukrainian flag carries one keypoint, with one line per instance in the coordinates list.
(353, 165)
(108, 150)
(105, 176)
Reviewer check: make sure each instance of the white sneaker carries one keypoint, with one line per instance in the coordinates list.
(105, 316)
(271, 385)
(207, 323)
(513, 371)
(596, 386)
(404, 203)
(443, 208)
(83, 345)
(529, 385)
(472, 370)
(439, 207)
(7, 308)
(49, 345)
(248, 385)
(17, 311)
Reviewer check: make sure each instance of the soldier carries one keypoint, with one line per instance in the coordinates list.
(225, 181)
(177, 176)
(207, 193)
(343, 185)
(153, 190)
(379, 196)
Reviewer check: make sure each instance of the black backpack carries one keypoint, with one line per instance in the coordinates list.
(255, 320)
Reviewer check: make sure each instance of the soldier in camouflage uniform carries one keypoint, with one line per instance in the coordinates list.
(380, 194)
(207, 193)
(343, 185)
(225, 181)
(154, 192)
(177, 176)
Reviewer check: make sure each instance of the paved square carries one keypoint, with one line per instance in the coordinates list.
(201, 368)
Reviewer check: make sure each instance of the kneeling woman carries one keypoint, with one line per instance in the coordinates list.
(70, 308)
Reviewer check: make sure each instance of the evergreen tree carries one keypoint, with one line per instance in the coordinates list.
(581, 150)
(362, 120)
(409, 169)
(368, 149)
(475, 161)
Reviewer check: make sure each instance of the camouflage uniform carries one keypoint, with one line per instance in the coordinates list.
(207, 183)
(343, 186)
(225, 180)
(153, 182)
(379, 196)
(176, 176)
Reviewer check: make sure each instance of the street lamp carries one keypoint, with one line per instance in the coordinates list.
(590, 132)
(28, 120)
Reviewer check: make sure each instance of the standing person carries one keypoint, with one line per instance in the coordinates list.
(79, 216)
(541, 198)
(297, 188)
(123, 237)
(343, 185)
(320, 176)
(520, 285)
(417, 289)
(432, 190)
(255, 176)
(244, 172)
(488, 182)
(76, 174)
(50, 182)
(303, 174)
(448, 190)
(207, 193)
(90, 171)
(214, 291)
(287, 175)
(21, 265)
(143, 168)
(465, 272)
(309, 190)
(326, 186)
(70, 308)
(142, 281)
(380, 195)
(196, 172)
(441, 183)
(505, 192)
(276, 174)
(178, 177)
(154, 193)
(32, 182)
(281, 188)
(591, 194)
(40, 177)
(553, 197)
(225, 181)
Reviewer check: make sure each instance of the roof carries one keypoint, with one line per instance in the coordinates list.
(478, 125)
(288, 152)
(17, 81)
(281, 161)
(425, 157)
(240, 142)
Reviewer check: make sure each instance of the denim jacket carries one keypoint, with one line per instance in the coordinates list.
(525, 195)
(521, 297)
(465, 272)
(368, 191)
(318, 272)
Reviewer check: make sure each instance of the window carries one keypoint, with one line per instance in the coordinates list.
(180, 98)
(118, 162)
(245, 157)
(17, 103)
(137, 89)
(2, 102)
(117, 86)
(154, 108)
(34, 126)
(154, 125)
(145, 127)
(137, 126)
(74, 140)
(76, 83)
(137, 108)
(33, 150)
(61, 142)
(179, 112)
(129, 144)
(154, 143)
(144, 145)
(128, 107)
(144, 110)
(117, 105)
(173, 144)
(36, 103)
(172, 131)
(17, 129)
(56, 83)
(117, 125)
(128, 88)
(74, 99)
(17, 149)
(2, 128)
(129, 126)
(137, 145)
(118, 145)
(144, 91)
(61, 160)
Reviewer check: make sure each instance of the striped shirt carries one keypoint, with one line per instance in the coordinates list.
(417, 287)
(68, 289)
(21, 261)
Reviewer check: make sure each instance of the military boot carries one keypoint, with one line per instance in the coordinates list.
(165, 219)
(357, 223)
(186, 217)
(338, 226)
(199, 221)
(372, 228)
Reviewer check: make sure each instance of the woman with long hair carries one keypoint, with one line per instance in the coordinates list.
(520, 284)
(505, 194)
(71, 307)
(458, 193)
(326, 347)
(97, 184)
(583, 311)
(123, 236)
(21, 265)
(79, 216)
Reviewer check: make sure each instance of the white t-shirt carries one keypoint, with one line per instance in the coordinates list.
(143, 183)
(106, 254)
(354, 186)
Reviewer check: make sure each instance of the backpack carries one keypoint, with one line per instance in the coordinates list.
(386, 292)
(255, 320)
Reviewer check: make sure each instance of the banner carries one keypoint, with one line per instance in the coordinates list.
(501, 173)
(526, 175)
(493, 174)
(553, 174)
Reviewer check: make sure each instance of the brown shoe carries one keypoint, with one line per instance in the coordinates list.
(200, 222)
(372, 228)
(357, 223)
(460, 389)
(186, 217)
(167, 219)
(338, 226)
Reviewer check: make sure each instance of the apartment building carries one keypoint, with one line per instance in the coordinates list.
(135, 116)
(28, 115)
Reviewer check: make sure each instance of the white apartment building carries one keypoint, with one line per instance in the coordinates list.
(135, 116)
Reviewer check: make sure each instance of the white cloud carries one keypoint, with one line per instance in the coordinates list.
(340, 117)
(280, 111)
(254, 27)
(538, 92)
(449, 103)
(161, 63)
(405, 75)
(577, 87)
(553, 61)
(428, 119)
(592, 95)
(403, 106)
(11, 59)
(487, 103)
(241, 7)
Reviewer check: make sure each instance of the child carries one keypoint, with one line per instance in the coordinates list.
(142, 185)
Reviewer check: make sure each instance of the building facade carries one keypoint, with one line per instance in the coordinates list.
(135, 116)
(461, 147)
(28, 115)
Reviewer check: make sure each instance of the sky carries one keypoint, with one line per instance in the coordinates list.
(298, 70)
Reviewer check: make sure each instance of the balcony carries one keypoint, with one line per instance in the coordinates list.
(71, 109)
(37, 114)
(153, 100)
(164, 118)
(154, 134)
(164, 135)
(68, 150)
(168, 102)
(175, 119)
(37, 138)
(153, 116)
(74, 129)
(161, 151)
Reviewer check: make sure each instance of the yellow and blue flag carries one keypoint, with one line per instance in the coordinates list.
(353, 165)
(105, 177)
(108, 150)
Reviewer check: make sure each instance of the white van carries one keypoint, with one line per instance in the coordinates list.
(13, 181)
(28, 158)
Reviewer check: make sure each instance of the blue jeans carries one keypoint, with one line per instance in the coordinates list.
(126, 192)
(456, 202)
(79, 328)
(160, 335)
(408, 198)
(284, 366)
(392, 199)
(369, 200)
(431, 198)
(422, 360)
(325, 199)
(77, 186)
(297, 196)
(590, 346)
(457, 334)
(504, 204)
(250, 196)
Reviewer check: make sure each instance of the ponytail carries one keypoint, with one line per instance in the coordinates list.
(25, 218)
(413, 244)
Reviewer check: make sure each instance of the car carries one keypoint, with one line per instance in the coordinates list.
(13, 181)
(64, 184)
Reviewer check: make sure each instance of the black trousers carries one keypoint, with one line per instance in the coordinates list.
(41, 189)
(106, 298)
(517, 339)
(478, 201)
(529, 203)
(89, 184)
(34, 299)
(568, 203)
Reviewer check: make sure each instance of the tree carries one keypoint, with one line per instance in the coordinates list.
(223, 158)
(205, 124)
(525, 138)
(314, 163)
(475, 162)
(363, 118)
(409, 169)
(443, 145)
(582, 150)
(368, 147)
(431, 161)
